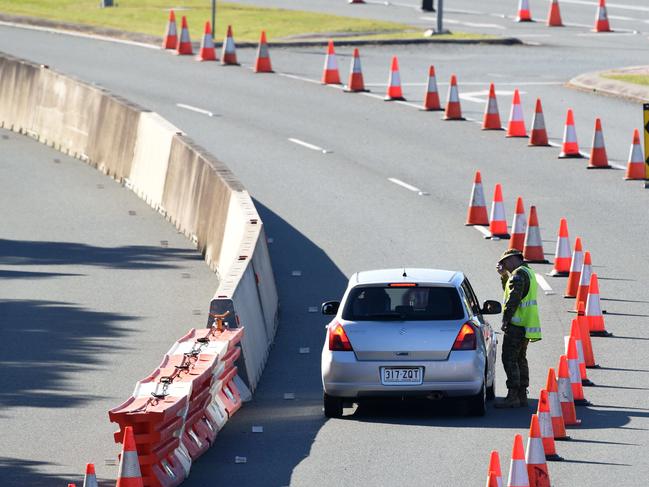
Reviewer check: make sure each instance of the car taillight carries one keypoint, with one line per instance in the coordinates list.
(466, 338)
(338, 341)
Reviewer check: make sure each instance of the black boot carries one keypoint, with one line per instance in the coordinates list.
(522, 396)
(511, 401)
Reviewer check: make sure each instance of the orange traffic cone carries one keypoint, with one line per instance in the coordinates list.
(594, 310)
(554, 15)
(584, 281)
(184, 45)
(601, 21)
(570, 147)
(90, 480)
(537, 469)
(355, 83)
(262, 62)
(575, 270)
(516, 124)
(494, 475)
(229, 51)
(207, 51)
(394, 82)
(491, 119)
(330, 74)
(584, 329)
(453, 109)
(431, 100)
(558, 426)
(562, 257)
(575, 376)
(518, 468)
(524, 14)
(538, 134)
(565, 394)
(129, 467)
(477, 214)
(519, 227)
(533, 247)
(635, 169)
(575, 331)
(545, 422)
(170, 39)
(497, 219)
(598, 158)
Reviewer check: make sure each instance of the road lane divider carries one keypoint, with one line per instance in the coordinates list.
(170, 38)
(477, 211)
(491, 118)
(184, 47)
(262, 60)
(519, 226)
(431, 98)
(355, 82)
(394, 92)
(229, 50)
(192, 108)
(538, 134)
(308, 145)
(207, 51)
(497, 218)
(453, 108)
(554, 15)
(407, 186)
(562, 255)
(598, 158)
(330, 73)
(533, 247)
(543, 284)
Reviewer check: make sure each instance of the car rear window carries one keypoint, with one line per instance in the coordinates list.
(378, 303)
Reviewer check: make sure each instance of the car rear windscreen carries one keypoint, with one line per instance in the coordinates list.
(419, 303)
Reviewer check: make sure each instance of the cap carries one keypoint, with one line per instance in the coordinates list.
(509, 253)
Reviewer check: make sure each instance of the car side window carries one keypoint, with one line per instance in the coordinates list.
(473, 300)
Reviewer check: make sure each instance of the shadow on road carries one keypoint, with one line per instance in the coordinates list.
(16, 471)
(43, 342)
(6, 274)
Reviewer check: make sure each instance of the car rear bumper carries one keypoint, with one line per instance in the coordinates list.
(462, 374)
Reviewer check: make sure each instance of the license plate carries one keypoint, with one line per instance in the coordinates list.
(402, 375)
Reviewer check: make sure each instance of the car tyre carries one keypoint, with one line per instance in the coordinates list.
(478, 404)
(333, 406)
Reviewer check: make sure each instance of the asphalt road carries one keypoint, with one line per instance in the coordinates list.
(332, 214)
(88, 305)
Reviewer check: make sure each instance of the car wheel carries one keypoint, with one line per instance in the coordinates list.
(478, 404)
(333, 406)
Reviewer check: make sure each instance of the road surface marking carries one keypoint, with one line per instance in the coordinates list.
(482, 96)
(470, 24)
(477, 83)
(586, 155)
(195, 109)
(409, 187)
(483, 230)
(608, 5)
(544, 284)
(309, 146)
(300, 78)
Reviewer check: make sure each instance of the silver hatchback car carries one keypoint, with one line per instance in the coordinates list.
(409, 332)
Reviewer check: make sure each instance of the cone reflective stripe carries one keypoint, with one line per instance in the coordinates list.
(477, 214)
(229, 50)
(537, 469)
(394, 82)
(554, 15)
(90, 480)
(570, 147)
(494, 474)
(330, 74)
(519, 227)
(565, 394)
(170, 39)
(575, 377)
(538, 134)
(545, 424)
(431, 100)
(598, 158)
(584, 281)
(587, 343)
(524, 14)
(601, 21)
(207, 51)
(497, 219)
(491, 119)
(355, 82)
(594, 310)
(453, 109)
(129, 468)
(184, 46)
(262, 63)
(533, 246)
(558, 426)
(562, 256)
(517, 468)
(635, 169)
(575, 331)
(516, 124)
(575, 270)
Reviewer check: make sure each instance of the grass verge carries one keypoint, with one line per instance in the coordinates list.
(636, 79)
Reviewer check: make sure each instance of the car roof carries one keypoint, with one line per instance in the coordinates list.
(419, 275)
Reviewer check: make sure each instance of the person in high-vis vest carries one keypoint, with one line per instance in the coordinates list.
(521, 325)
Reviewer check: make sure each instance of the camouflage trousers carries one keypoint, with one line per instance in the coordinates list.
(515, 357)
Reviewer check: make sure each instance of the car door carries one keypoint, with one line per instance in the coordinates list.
(487, 330)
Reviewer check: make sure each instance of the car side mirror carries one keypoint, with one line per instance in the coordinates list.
(491, 308)
(330, 307)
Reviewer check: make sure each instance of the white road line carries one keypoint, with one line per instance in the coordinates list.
(544, 284)
(587, 155)
(195, 109)
(619, 17)
(479, 83)
(309, 146)
(483, 230)
(459, 11)
(300, 78)
(608, 5)
(409, 187)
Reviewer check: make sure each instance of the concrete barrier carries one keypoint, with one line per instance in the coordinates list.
(192, 188)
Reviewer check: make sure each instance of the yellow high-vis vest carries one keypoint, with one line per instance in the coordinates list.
(527, 313)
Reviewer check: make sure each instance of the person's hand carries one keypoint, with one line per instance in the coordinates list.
(500, 269)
